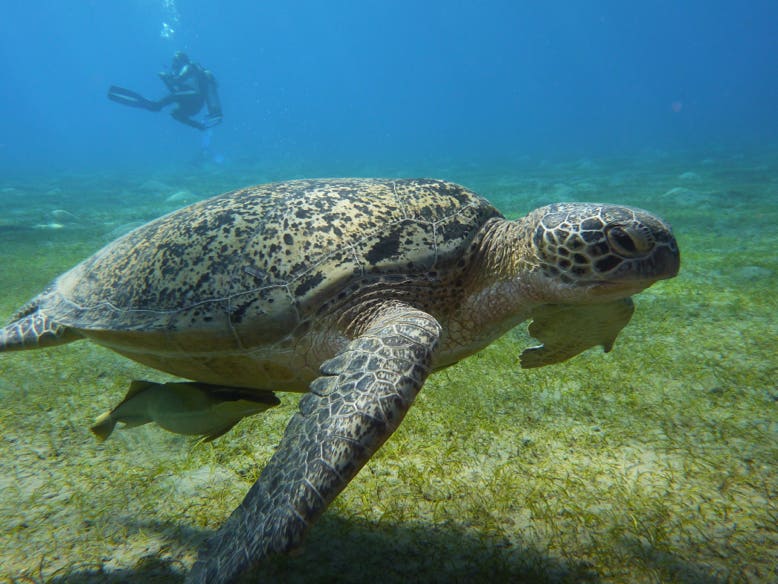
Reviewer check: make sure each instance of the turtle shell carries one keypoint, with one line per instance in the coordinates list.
(249, 267)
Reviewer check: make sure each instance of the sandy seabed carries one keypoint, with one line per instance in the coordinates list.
(655, 463)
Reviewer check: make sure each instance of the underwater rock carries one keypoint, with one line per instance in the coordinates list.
(687, 197)
(180, 196)
(155, 186)
(64, 217)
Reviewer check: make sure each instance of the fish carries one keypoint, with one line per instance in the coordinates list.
(189, 408)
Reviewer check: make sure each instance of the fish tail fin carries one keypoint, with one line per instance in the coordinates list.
(103, 426)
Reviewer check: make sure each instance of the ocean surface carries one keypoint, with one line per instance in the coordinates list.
(657, 462)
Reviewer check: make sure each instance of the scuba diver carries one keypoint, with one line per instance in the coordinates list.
(191, 87)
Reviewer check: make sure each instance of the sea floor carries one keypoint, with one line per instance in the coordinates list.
(657, 462)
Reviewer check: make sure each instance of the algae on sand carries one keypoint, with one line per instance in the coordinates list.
(656, 462)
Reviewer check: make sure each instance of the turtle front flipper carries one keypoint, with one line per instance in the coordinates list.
(360, 399)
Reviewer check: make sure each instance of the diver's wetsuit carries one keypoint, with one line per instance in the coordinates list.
(191, 87)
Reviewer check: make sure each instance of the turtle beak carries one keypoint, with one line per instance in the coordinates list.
(662, 263)
(667, 260)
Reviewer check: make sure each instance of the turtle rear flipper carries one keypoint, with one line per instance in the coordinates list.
(35, 330)
(360, 399)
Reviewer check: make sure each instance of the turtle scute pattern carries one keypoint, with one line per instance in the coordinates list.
(265, 255)
(579, 251)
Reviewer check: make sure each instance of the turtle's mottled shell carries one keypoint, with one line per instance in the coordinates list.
(257, 267)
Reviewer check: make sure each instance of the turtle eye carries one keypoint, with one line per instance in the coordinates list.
(628, 243)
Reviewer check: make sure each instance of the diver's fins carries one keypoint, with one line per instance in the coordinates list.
(211, 121)
(131, 98)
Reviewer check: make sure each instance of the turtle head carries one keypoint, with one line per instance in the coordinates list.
(610, 251)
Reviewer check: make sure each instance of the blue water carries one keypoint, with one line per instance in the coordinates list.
(339, 85)
(656, 462)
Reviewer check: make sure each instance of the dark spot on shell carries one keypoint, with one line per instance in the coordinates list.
(309, 283)
(237, 312)
(288, 239)
(203, 279)
(386, 247)
(256, 273)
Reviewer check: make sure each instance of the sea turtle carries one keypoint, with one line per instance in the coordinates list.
(352, 290)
